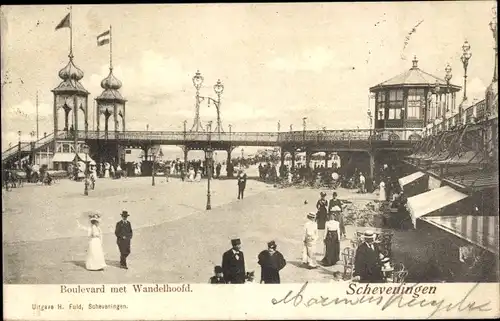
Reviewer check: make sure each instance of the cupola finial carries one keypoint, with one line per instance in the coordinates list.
(415, 63)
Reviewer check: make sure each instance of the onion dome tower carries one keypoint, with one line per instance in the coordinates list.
(110, 102)
(70, 96)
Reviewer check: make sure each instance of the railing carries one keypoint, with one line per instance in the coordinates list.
(391, 134)
(26, 146)
(472, 115)
(259, 137)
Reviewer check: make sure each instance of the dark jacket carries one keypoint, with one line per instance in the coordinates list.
(233, 269)
(242, 180)
(270, 266)
(367, 264)
(123, 229)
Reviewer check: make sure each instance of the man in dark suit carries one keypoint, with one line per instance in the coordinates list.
(367, 267)
(233, 264)
(123, 232)
(242, 183)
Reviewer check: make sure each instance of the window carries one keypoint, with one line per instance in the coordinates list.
(381, 114)
(395, 104)
(381, 96)
(416, 101)
(380, 105)
(395, 113)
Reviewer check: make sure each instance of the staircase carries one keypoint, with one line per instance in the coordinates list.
(14, 151)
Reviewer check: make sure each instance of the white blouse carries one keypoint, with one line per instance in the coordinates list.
(332, 225)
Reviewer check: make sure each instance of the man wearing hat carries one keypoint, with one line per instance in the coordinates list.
(242, 183)
(123, 232)
(218, 278)
(367, 265)
(310, 237)
(271, 262)
(233, 264)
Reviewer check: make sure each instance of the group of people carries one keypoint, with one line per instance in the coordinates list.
(232, 270)
(368, 259)
(95, 260)
(325, 225)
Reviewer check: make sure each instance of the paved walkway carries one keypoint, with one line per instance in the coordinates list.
(175, 239)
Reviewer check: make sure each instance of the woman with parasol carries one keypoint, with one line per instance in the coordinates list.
(95, 254)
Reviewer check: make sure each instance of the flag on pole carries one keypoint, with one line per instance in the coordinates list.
(65, 23)
(103, 38)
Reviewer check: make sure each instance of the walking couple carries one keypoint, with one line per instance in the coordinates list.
(95, 254)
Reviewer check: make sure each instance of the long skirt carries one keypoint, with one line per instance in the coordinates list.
(332, 249)
(340, 218)
(308, 253)
(382, 196)
(95, 255)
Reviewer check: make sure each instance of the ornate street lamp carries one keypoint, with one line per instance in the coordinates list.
(85, 149)
(218, 89)
(279, 126)
(447, 77)
(466, 55)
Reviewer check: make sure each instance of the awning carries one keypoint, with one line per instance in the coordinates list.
(428, 202)
(479, 230)
(85, 157)
(410, 178)
(63, 157)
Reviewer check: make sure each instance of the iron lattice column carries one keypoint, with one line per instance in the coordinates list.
(197, 121)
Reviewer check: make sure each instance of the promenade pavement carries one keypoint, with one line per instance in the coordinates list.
(175, 238)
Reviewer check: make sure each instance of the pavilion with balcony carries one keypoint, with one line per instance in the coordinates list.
(411, 100)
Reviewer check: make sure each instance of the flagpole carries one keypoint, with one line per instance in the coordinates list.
(110, 49)
(71, 32)
(37, 132)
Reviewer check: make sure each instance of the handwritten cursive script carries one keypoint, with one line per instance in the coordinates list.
(385, 302)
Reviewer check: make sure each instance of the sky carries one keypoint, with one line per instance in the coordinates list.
(278, 62)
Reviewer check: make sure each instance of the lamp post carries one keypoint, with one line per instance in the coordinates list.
(304, 128)
(493, 27)
(218, 89)
(370, 118)
(291, 127)
(153, 169)
(279, 126)
(208, 163)
(19, 148)
(85, 149)
(230, 126)
(436, 91)
(447, 77)
(466, 55)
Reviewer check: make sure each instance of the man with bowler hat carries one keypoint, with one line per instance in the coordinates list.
(123, 232)
(233, 264)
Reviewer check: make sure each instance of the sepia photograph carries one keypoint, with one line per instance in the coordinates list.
(264, 143)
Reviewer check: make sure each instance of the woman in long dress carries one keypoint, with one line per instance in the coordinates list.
(95, 254)
(198, 176)
(322, 207)
(191, 174)
(382, 196)
(331, 241)
(106, 169)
